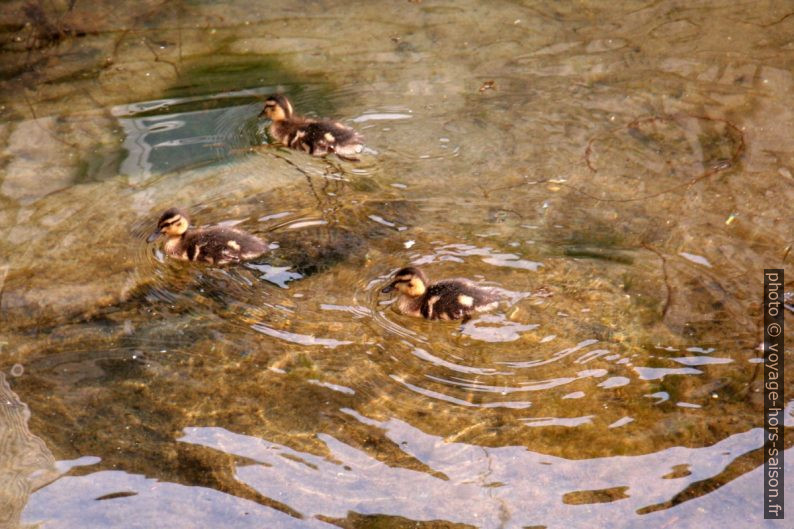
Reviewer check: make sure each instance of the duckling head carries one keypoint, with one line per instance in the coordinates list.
(172, 223)
(409, 281)
(277, 108)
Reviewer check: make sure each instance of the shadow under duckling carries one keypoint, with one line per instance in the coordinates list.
(317, 137)
(448, 299)
(215, 245)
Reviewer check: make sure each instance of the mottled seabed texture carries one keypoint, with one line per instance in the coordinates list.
(623, 171)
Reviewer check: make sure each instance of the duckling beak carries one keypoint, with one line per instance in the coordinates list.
(261, 114)
(153, 237)
(388, 288)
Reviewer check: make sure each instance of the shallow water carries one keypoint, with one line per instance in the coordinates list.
(621, 173)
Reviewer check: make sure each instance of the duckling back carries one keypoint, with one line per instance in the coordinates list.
(331, 137)
(218, 245)
(455, 299)
(317, 138)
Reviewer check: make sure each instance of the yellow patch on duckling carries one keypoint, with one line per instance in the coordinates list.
(466, 301)
(297, 139)
(233, 245)
(197, 255)
(430, 302)
(329, 137)
(416, 287)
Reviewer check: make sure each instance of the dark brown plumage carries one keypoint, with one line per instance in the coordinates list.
(214, 245)
(448, 299)
(317, 137)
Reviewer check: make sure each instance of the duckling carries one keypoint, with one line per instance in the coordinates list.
(448, 299)
(315, 136)
(214, 245)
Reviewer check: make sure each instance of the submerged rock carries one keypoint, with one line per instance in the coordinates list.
(316, 249)
(73, 252)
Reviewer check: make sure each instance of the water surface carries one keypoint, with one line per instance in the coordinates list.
(623, 173)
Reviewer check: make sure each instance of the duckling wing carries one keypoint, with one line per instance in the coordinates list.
(329, 136)
(454, 299)
(225, 245)
(484, 298)
(290, 133)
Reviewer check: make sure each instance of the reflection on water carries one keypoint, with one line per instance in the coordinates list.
(25, 461)
(621, 173)
(117, 499)
(170, 142)
(480, 486)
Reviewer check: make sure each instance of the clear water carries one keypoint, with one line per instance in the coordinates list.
(623, 171)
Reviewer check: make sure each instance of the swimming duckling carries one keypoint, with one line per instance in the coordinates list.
(315, 136)
(214, 245)
(449, 299)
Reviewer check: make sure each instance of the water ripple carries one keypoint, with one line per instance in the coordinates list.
(302, 339)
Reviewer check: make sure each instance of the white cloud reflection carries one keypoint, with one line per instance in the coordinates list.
(492, 487)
